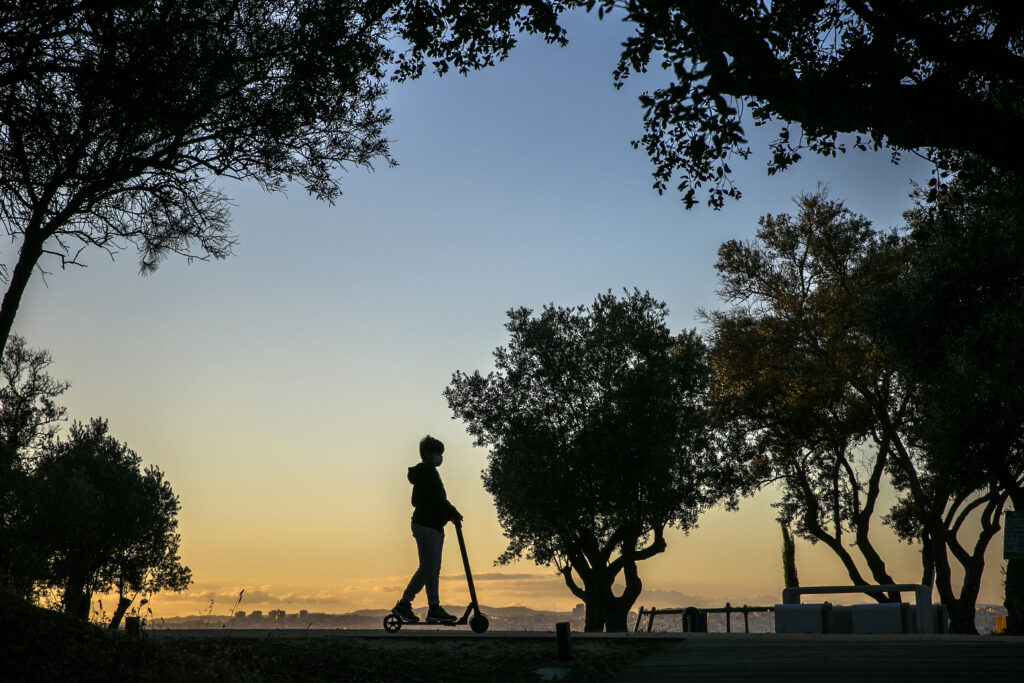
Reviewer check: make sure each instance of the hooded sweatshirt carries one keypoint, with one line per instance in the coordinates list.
(428, 497)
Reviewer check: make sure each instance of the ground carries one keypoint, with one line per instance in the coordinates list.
(46, 646)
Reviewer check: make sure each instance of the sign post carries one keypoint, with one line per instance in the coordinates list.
(1013, 536)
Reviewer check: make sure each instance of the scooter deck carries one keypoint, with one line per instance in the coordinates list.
(424, 622)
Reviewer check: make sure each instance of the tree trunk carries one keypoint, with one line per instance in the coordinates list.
(31, 250)
(76, 600)
(605, 610)
(617, 614)
(789, 575)
(1014, 598)
(961, 616)
(595, 614)
(123, 604)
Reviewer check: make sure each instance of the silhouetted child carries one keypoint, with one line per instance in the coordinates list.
(432, 511)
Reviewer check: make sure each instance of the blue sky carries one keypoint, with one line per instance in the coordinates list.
(283, 390)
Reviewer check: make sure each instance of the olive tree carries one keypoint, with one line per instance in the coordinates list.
(599, 440)
(29, 417)
(105, 522)
(836, 413)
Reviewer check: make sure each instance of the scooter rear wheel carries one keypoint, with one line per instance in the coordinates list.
(392, 623)
(478, 623)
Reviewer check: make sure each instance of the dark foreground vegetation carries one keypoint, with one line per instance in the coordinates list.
(43, 645)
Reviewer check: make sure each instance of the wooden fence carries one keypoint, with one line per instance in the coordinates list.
(728, 610)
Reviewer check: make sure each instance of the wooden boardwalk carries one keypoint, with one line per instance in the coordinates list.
(833, 659)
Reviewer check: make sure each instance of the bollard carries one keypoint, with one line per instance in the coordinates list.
(564, 641)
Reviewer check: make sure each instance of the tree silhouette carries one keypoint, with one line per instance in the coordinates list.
(833, 413)
(105, 523)
(789, 575)
(598, 441)
(118, 117)
(29, 417)
(833, 75)
(954, 322)
(904, 74)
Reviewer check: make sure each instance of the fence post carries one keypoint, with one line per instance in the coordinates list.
(728, 618)
(650, 619)
(564, 640)
(639, 616)
(746, 621)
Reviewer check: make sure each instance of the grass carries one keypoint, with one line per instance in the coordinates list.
(47, 646)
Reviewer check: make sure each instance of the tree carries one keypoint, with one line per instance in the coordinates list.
(105, 523)
(831, 412)
(115, 116)
(28, 419)
(836, 74)
(905, 74)
(790, 578)
(118, 116)
(954, 322)
(598, 440)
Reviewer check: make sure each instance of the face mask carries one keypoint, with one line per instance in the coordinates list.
(438, 459)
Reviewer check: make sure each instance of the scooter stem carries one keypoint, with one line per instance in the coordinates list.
(465, 563)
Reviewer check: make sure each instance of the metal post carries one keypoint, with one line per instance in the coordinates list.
(728, 618)
(465, 563)
(650, 619)
(639, 616)
(746, 620)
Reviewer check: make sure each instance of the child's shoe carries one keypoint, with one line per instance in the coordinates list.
(437, 615)
(404, 611)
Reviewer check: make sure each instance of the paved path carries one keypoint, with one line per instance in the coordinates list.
(833, 659)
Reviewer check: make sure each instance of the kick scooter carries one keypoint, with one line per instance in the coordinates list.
(393, 622)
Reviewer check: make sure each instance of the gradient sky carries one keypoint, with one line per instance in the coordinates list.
(283, 391)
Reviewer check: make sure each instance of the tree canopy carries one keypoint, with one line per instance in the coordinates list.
(104, 522)
(933, 77)
(834, 415)
(117, 117)
(29, 416)
(905, 74)
(953, 322)
(598, 440)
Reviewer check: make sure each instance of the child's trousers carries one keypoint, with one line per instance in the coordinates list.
(429, 543)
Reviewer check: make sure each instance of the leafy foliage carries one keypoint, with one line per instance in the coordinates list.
(29, 417)
(954, 324)
(834, 414)
(117, 116)
(905, 74)
(105, 523)
(598, 440)
(910, 75)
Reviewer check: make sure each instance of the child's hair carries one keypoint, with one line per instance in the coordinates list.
(430, 446)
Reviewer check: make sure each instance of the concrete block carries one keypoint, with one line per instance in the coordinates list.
(800, 618)
(882, 618)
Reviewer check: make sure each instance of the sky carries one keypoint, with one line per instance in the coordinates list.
(283, 391)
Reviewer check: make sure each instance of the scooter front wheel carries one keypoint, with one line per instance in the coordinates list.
(478, 623)
(392, 623)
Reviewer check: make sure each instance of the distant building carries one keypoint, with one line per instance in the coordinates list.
(579, 611)
(276, 615)
(256, 614)
(303, 614)
(240, 614)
